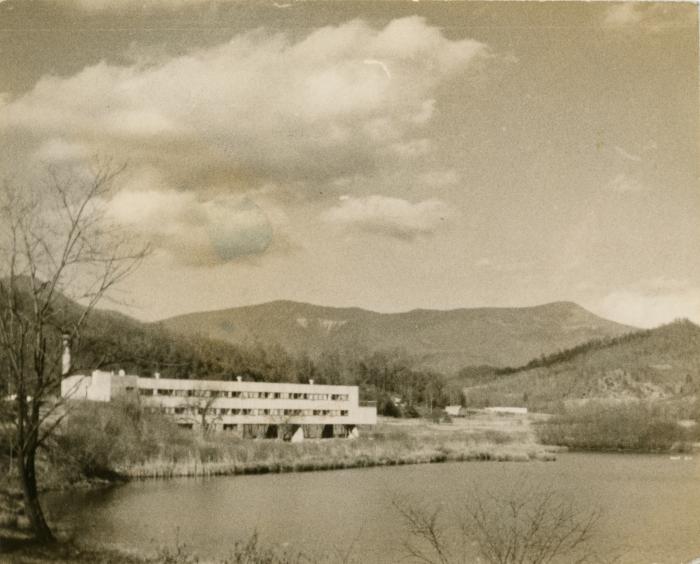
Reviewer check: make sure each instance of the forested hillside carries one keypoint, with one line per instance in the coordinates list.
(660, 363)
(113, 341)
(439, 340)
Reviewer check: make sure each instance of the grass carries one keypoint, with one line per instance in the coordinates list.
(109, 441)
(388, 445)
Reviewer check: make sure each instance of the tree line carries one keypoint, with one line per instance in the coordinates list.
(391, 378)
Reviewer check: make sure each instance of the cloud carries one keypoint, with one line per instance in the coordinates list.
(193, 231)
(623, 183)
(654, 17)
(381, 65)
(439, 178)
(391, 217)
(411, 149)
(259, 107)
(652, 303)
(59, 151)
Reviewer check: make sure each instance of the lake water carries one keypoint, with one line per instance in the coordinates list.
(650, 505)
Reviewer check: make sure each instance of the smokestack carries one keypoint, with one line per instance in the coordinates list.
(65, 359)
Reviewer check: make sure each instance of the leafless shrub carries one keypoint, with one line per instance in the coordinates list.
(428, 536)
(525, 524)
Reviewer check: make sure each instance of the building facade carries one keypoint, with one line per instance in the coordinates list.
(249, 408)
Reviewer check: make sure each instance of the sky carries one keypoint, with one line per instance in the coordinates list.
(385, 155)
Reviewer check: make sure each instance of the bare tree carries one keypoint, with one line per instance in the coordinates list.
(532, 525)
(427, 540)
(208, 414)
(524, 524)
(59, 256)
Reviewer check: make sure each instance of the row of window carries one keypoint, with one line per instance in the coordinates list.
(241, 395)
(273, 412)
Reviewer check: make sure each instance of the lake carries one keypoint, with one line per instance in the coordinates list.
(650, 505)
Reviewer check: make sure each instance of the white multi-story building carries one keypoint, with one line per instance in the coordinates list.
(270, 409)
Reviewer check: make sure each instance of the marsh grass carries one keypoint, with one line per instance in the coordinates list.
(221, 456)
(115, 440)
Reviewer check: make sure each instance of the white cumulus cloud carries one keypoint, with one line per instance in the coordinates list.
(392, 217)
(260, 106)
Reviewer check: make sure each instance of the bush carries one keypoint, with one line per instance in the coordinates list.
(388, 408)
(99, 440)
(526, 524)
(635, 426)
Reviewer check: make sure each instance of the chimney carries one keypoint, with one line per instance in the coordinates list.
(239, 378)
(156, 375)
(122, 373)
(65, 359)
(311, 382)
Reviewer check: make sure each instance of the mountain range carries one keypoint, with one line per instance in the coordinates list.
(444, 340)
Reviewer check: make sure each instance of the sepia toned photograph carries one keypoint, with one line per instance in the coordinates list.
(354, 282)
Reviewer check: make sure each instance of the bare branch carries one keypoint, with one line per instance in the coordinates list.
(525, 524)
(57, 246)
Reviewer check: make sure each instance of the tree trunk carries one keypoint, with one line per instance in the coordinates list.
(32, 507)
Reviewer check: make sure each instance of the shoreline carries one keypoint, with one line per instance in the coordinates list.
(391, 443)
(180, 454)
(15, 539)
(692, 450)
(193, 469)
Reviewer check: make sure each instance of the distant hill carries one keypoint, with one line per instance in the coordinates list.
(113, 341)
(661, 363)
(441, 340)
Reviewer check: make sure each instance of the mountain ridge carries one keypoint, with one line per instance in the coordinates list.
(287, 302)
(444, 340)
